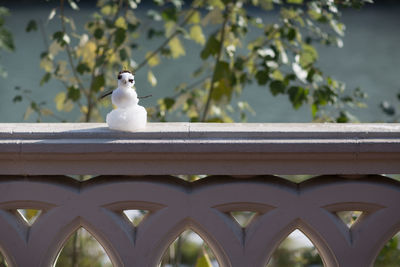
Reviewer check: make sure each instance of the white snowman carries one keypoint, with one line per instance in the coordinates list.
(128, 116)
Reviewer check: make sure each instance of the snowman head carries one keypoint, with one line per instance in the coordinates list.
(126, 79)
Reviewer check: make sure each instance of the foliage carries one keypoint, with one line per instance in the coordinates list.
(6, 38)
(81, 250)
(390, 254)
(282, 58)
(2, 261)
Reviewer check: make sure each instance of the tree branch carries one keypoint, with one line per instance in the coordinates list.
(217, 60)
(68, 48)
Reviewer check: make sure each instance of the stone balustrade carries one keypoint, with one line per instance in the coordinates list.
(243, 164)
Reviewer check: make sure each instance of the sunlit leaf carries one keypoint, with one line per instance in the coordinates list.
(151, 78)
(219, 4)
(215, 16)
(73, 5)
(52, 14)
(28, 112)
(203, 261)
(121, 23)
(176, 47)
(109, 10)
(308, 55)
(197, 35)
(154, 60)
(88, 53)
(47, 64)
(62, 104)
(295, 1)
(195, 18)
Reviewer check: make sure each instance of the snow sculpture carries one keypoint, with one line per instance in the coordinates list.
(128, 116)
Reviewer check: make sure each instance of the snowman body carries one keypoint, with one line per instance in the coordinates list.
(128, 116)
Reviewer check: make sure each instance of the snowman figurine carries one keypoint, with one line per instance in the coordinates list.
(128, 116)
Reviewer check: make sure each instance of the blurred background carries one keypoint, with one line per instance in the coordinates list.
(369, 59)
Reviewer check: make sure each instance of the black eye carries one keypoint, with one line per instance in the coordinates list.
(131, 80)
(119, 77)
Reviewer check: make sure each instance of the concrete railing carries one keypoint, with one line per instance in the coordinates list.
(134, 173)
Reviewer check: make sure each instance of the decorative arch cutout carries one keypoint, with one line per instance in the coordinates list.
(390, 253)
(83, 250)
(188, 249)
(295, 249)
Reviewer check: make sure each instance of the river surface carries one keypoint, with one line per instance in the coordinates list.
(369, 59)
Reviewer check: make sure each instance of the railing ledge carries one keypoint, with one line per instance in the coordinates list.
(200, 148)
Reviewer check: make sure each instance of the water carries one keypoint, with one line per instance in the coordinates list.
(369, 59)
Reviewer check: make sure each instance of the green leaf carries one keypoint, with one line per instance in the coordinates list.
(308, 55)
(222, 89)
(168, 102)
(123, 55)
(297, 96)
(170, 14)
(151, 78)
(98, 33)
(277, 87)
(197, 35)
(32, 26)
(73, 93)
(211, 48)
(82, 68)
(61, 37)
(45, 78)
(97, 83)
(17, 98)
(222, 71)
(262, 77)
(120, 35)
(343, 117)
(291, 34)
(6, 40)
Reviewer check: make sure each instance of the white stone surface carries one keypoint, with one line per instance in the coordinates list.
(197, 148)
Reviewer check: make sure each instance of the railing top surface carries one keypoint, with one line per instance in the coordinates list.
(180, 130)
(201, 148)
